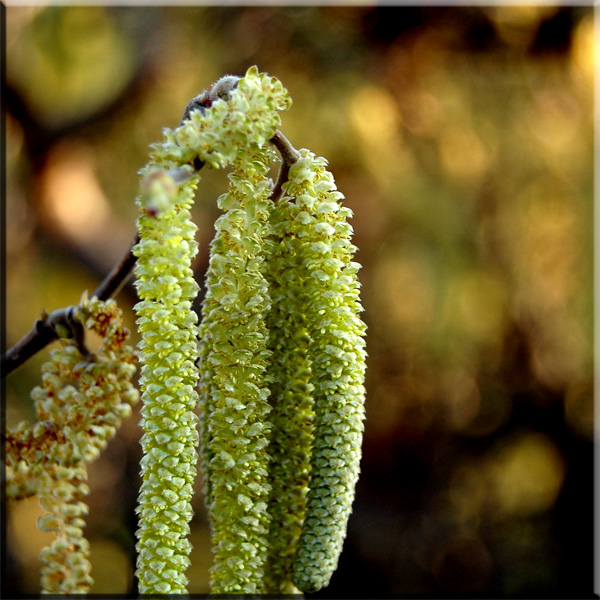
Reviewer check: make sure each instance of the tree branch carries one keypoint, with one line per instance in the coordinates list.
(289, 155)
(60, 323)
(114, 281)
(37, 339)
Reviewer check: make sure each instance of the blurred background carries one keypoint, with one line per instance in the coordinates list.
(463, 140)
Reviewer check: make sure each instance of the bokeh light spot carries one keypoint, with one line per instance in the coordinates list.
(527, 475)
(462, 152)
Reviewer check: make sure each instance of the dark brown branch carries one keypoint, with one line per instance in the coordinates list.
(37, 339)
(289, 155)
(45, 330)
(114, 281)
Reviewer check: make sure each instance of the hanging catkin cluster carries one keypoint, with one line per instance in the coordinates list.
(79, 406)
(282, 369)
(236, 131)
(281, 355)
(276, 368)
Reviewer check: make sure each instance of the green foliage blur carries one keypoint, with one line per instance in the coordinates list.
(463, 140)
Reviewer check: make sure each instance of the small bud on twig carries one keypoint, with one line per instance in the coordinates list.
(218, 90)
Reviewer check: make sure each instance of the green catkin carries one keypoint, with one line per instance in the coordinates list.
(291, 400)
(337, 353)
(168, 350)
(234, 379)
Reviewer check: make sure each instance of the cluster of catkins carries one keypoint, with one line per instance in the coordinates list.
(281, 355)
(79, 406)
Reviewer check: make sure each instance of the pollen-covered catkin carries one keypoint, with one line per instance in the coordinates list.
(338, 360)
(291, 399)
(235, 356)
(168, 351)
(79, 407)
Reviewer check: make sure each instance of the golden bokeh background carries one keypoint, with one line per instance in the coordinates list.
(463, 140)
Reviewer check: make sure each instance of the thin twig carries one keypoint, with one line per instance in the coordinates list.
(37, 339)
(289, 155)
(45, 330)
(114, 281)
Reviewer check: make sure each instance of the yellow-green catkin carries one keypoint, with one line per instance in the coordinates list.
(168, 351)
(79, 407)
(235, 356)
(291, 398)
(337, 354)
(231, 131)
